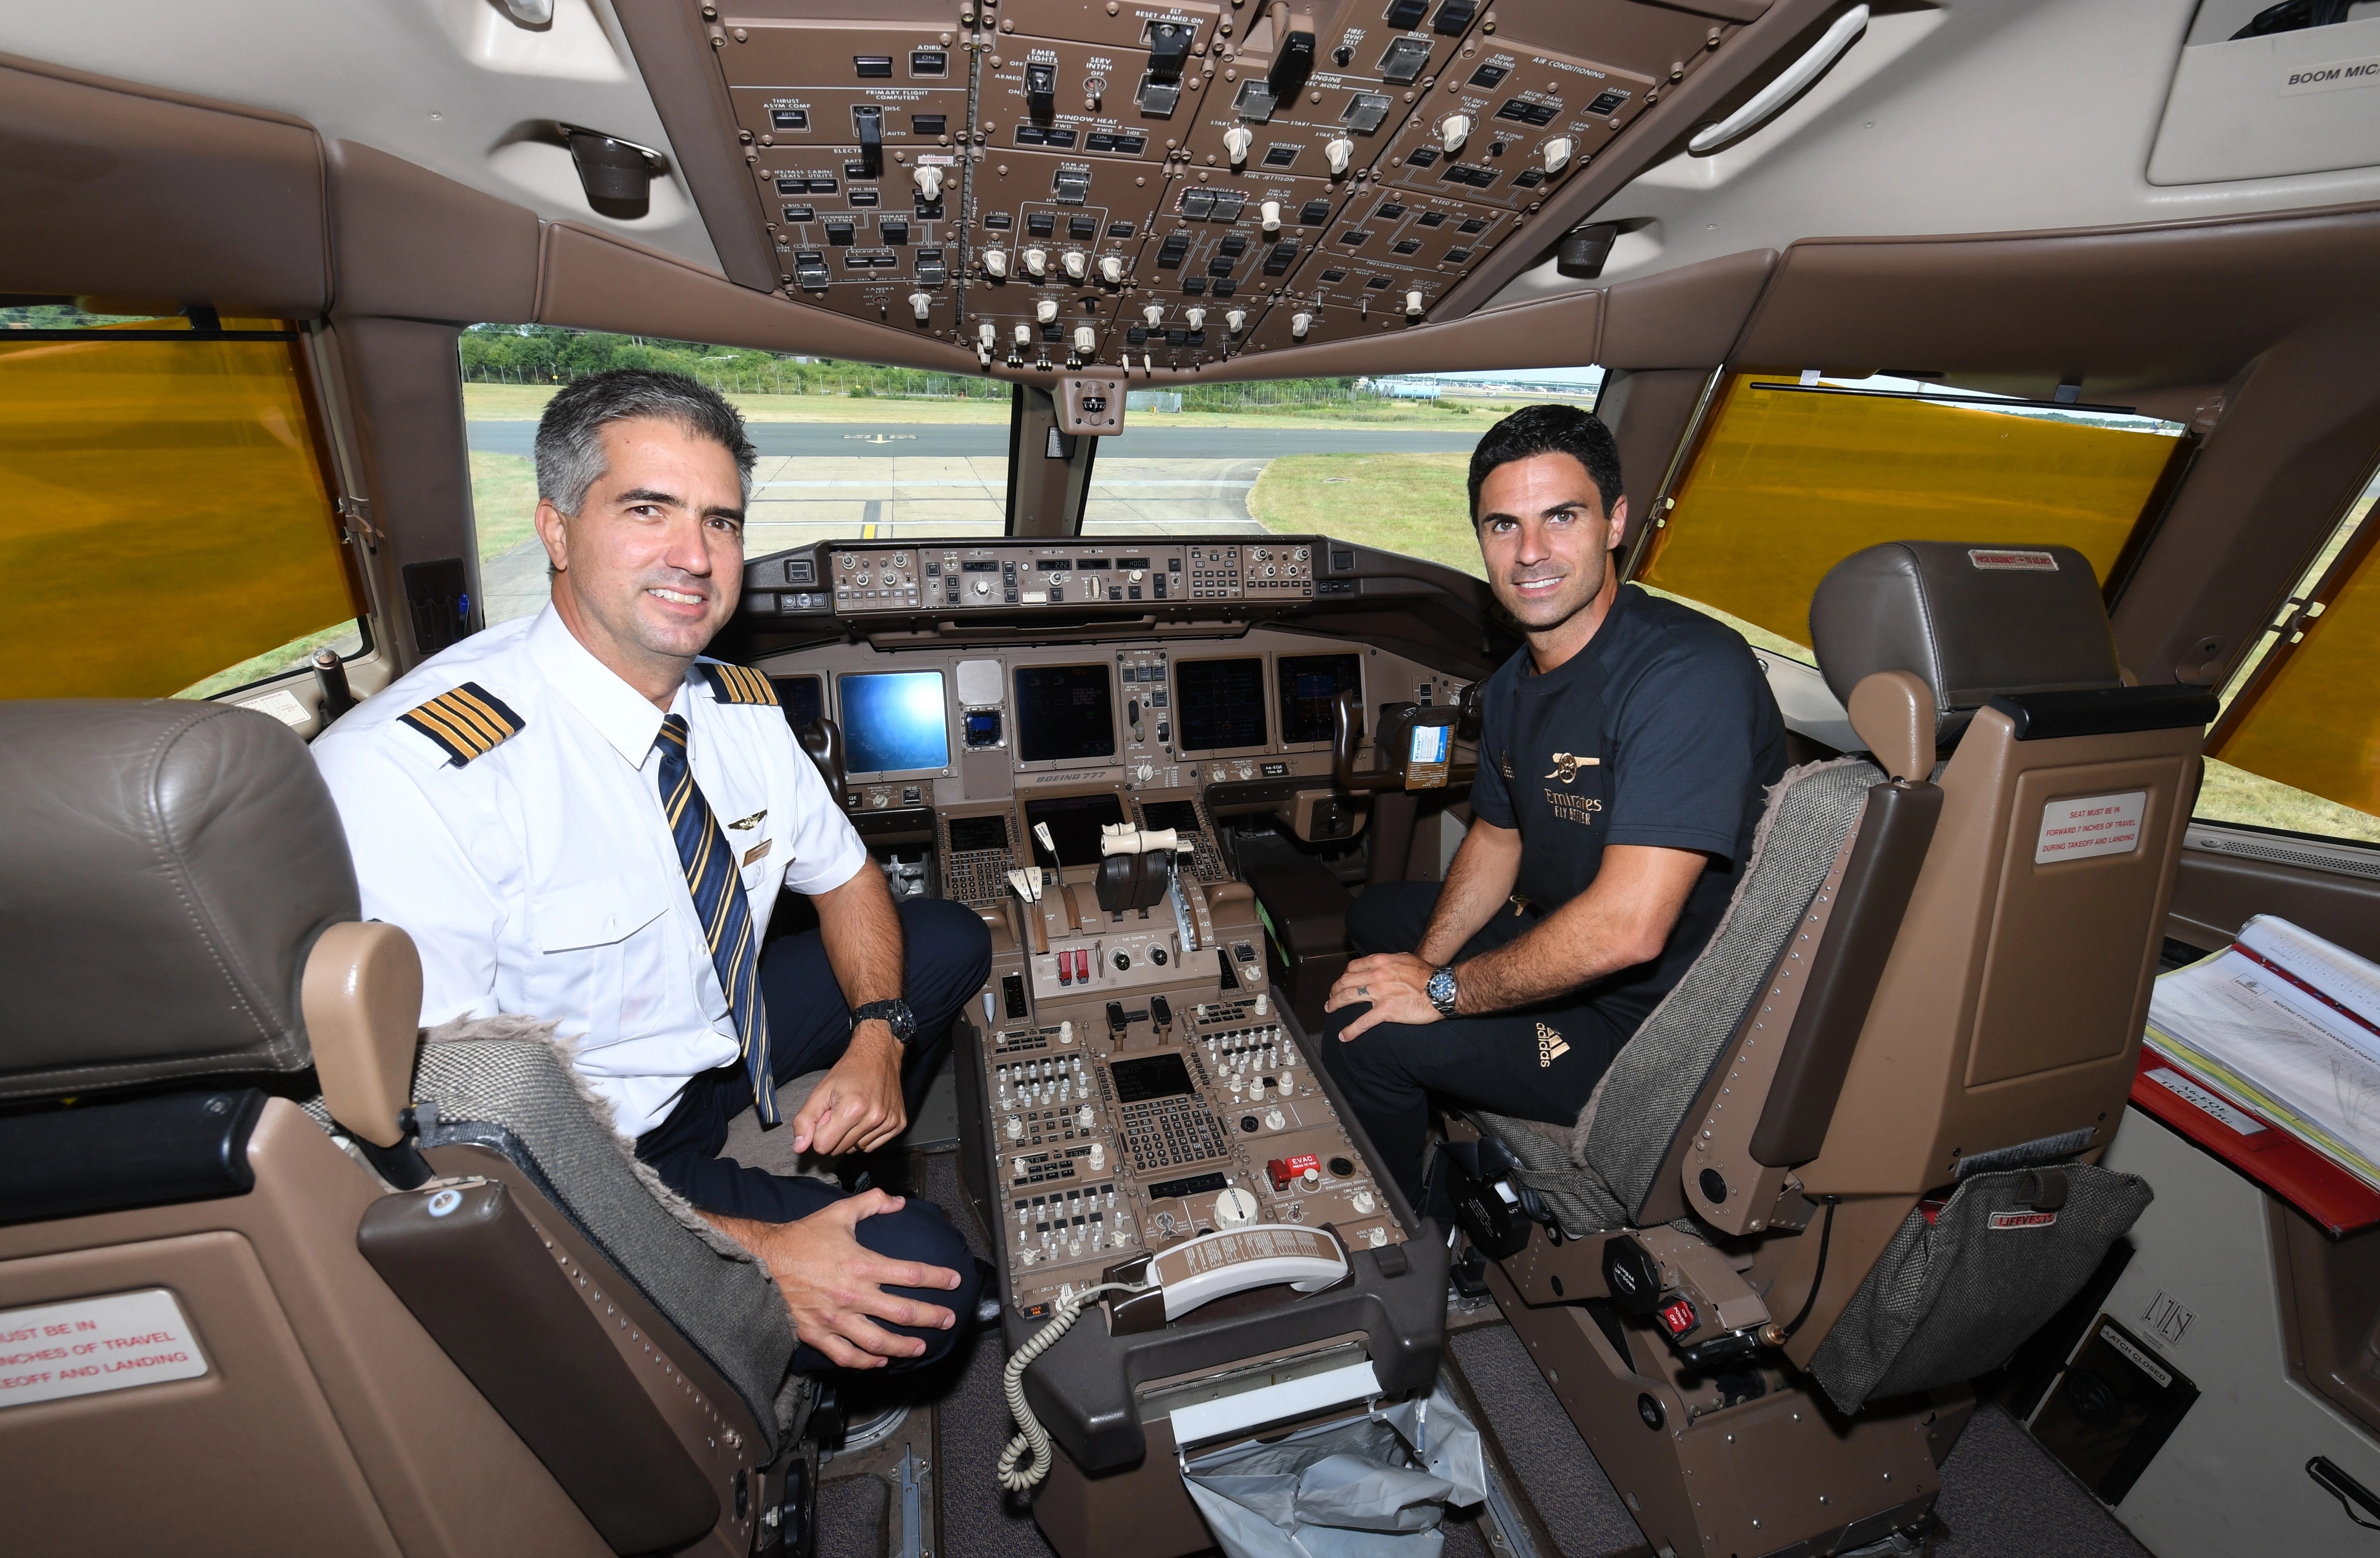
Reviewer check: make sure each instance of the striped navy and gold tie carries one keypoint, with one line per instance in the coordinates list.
(711, 876)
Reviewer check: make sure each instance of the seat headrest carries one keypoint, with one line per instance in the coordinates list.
(165, 869)
(1970, 621)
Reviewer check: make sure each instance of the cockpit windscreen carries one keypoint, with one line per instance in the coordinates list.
(1309, 691)
(1064, 713)
(893, 721)
(1219, 705)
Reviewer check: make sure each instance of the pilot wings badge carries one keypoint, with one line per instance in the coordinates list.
(1566, 767)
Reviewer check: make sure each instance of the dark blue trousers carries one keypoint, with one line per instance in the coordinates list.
(1539, 1062)
(946, 954)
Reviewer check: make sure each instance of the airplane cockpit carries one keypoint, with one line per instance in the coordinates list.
(1998, 1169)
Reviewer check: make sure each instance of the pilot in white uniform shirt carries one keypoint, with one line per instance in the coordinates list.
(540, 877)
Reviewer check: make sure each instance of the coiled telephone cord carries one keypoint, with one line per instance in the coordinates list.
(1031, 1447)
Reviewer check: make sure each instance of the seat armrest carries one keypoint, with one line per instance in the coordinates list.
(361, 999)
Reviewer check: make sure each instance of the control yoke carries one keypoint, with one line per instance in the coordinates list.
(1405, 729)
(822, 739)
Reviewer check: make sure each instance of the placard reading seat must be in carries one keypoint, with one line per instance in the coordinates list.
(87, 1345)
(2080, 827)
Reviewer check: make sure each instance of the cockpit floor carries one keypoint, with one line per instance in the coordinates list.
(2002, 1494)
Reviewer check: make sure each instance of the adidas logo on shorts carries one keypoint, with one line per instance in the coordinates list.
(1552, 1046)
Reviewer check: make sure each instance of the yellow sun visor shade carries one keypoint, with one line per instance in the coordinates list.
(1788, 481)
(168, 514)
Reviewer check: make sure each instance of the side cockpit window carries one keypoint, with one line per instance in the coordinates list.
(1793, 473)
(170, 528)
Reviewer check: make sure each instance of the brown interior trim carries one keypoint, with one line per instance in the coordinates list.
(1687, 317)
(413, 244)
(142, 89)
(593, 281)
(118, 190)
(674, 54)
(1658, 131)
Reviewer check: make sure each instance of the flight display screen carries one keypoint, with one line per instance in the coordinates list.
(979, 832)
(1064, 713)
(1181, 815)
(1309, 692)
(1149, 1076)
(892, 721)
(1075, 823)
(802, 697)
(1219, 705)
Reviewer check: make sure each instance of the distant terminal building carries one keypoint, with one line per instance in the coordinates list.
(1529, 383)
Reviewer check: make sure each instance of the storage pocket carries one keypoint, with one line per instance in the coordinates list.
(1952, 1298)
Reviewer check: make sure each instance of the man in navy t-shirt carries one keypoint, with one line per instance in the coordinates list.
(1624, 757)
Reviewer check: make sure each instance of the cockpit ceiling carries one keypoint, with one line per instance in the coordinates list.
(1262, 188)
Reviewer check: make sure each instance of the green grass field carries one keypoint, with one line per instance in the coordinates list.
(504, 501)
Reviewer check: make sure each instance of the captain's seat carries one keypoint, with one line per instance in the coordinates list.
(1849, 1162)
(273, 1281)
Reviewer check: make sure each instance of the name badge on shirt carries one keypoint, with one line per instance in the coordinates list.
(751, 821)
(758, 851)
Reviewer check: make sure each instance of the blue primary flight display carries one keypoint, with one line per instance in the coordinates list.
(894, 723)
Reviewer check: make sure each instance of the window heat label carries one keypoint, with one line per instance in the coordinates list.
(90, 1346)
(2080, 827)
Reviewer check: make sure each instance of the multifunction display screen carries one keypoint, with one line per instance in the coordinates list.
(1073, 822)
(893, 721)
(979, 832)
(1219, 705)
(1309, 692)
(1149, 1076)
(1064, 713)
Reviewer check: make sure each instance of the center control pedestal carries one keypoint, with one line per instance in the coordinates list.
(1128, 1086)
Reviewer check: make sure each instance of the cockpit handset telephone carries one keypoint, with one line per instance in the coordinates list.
(1151, 1291)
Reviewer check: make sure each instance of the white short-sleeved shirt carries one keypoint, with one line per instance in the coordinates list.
(540, 878)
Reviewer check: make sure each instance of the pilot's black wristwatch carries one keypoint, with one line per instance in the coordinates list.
(895, 1014)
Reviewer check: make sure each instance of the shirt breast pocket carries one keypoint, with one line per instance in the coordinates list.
(757, 861)
(605, 956)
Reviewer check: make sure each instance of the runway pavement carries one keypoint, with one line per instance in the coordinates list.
(1142, 439)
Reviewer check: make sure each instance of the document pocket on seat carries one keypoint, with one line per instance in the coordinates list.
(1952, 1297)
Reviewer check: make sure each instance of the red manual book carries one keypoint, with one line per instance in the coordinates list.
(2257, 1147)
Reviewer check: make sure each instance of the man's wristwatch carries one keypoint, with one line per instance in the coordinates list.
(895, 1014)
(1440, 990)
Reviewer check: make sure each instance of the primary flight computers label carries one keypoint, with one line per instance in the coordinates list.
(2080, 827)
(86, 1346)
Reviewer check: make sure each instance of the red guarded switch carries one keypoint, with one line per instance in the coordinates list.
(1082, 966)
(1280, 1170)
(1678, 1318)
(1065, 969)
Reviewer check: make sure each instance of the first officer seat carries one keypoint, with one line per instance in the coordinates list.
(1850, 1162)
(275, 1277)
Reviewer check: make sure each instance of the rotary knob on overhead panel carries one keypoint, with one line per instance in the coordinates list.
(1275, 1120)
(983, 586)
(1015, 1129)
(1144, 773)
(1082, 1118)
(1234, 1208)
(1236, 140)
(1299, 323)
(995, 262)
(929, 182)
(1337, 150)
(922, 304)
(1046, 311)
(1413, 305)
(1236, 321)
(1076, 264)
(1270, 212)
(1453, 131)
(1087, 341)
(1111, 268)
(1037, 262)
(1194, 318)
(1153, 315)
(1024, 338)
(1098, 1157)
(1362, 1201)
(1557, 153)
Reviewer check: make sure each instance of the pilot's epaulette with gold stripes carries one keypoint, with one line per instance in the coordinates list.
(736, 684)
(470, 721)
